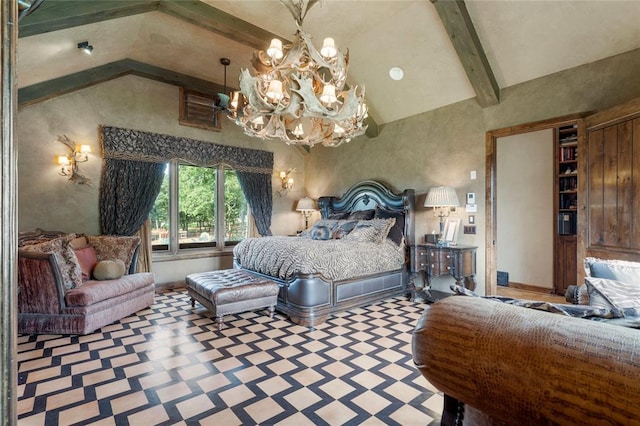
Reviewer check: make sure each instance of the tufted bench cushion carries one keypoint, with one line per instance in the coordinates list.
(230, 291)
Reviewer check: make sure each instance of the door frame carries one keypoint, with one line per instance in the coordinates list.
(491, 208)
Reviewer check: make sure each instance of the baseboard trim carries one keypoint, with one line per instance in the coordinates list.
(529, 287)
(170, 286)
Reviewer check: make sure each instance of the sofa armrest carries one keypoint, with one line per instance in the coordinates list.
(40, 284)
(528, 367)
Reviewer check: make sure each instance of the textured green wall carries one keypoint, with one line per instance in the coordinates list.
(49, 201)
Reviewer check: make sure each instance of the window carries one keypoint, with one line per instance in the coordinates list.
(198, 207)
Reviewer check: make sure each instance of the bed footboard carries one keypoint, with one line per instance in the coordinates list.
(308, 300)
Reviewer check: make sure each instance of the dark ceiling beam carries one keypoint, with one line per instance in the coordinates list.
(219, 22)
(463, 35)
(54, 15)
(59, 86)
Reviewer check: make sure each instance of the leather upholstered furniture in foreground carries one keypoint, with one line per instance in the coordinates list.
(231, 291)
(511, 365)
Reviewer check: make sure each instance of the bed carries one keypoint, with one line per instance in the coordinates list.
(318, 277)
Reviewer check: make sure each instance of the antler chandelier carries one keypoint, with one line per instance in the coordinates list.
(300, 95)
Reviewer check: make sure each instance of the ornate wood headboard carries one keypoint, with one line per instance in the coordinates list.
(367, 195)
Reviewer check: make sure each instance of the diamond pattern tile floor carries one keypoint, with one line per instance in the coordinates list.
(170, 365)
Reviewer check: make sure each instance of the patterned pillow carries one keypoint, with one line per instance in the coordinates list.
(374, 230)
(396, 233)
(110, 247)
(362, 234)
(343, 228)
(65, 259)
(612, 293)
(320, 233)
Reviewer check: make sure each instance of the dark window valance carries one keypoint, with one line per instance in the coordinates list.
(136, 145)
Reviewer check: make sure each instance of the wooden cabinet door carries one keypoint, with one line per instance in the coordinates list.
(566, 268)
(609, 227)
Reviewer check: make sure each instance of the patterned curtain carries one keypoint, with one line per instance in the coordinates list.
(127, 193)
(125, 203)
(257, 190)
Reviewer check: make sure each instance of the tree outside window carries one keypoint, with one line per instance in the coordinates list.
(196, 194)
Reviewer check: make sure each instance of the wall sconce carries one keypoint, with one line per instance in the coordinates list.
(306, 206)
(85, 47)
(441, 198)
(286, 183)
(69, 162)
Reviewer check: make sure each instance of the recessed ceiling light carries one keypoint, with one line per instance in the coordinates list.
(396, 73)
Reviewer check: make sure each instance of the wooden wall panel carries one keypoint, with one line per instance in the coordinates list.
(635, 184)
(595, 188)
(609, 186)
(625, 196)
(612, 194)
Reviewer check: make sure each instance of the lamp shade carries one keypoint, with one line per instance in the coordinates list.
(441, 196)
(305, 204)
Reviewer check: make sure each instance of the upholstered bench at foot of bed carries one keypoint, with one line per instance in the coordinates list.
(232, 291)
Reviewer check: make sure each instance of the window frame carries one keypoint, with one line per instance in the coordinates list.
(174, 248)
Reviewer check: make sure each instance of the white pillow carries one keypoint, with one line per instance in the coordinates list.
(108, 270)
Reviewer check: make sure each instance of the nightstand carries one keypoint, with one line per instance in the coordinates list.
(431, 260)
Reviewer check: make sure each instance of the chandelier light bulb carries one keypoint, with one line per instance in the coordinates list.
(329, 48)
(275, 49)
(328, 94)
(63, 160)
(258, 121)
(298, 131)
(338, 130)
(275, 90)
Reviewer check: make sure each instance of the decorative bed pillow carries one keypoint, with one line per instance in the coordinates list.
(109, 270)
(65, 258)
(320, 233)
(374, 230)
(620, 270)
(339, 216)
(110, 247)
(613, 294)
(396, 233)
(362, 234)
(361, 215)
(343, 228)
(87, 260)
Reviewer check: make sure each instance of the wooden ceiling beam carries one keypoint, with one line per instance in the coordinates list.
(59, 86)
(54, 15)
(457, 22)
(219, 22)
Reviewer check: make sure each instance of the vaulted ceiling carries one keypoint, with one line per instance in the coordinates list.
(450, 51)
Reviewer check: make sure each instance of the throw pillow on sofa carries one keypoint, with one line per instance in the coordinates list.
(109, 247)
(109, 270)
(65, 258)
(87, 259)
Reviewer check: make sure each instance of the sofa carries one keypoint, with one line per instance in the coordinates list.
(76, 284)
(499, 363)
